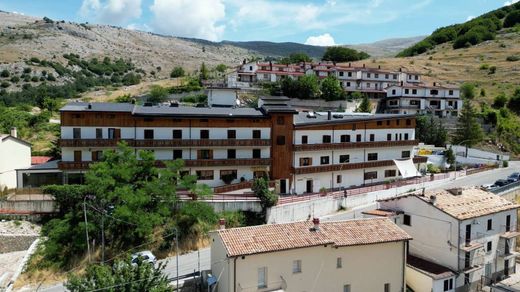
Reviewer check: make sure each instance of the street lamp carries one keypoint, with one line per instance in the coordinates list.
(86, 224)
(460, 143)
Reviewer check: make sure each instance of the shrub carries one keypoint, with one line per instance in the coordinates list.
(513, 58)
(505, 163)
(492, 70)
(484, 67)
(431, 168)
(512, 19)
(5, 73)
(500, 101)
(15, 79)
(27, 70)
(35, 60)
(5, 84)
(50, 77)
(35, 79)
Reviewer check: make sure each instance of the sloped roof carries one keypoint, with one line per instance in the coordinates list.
(279, 237)
(431, 269)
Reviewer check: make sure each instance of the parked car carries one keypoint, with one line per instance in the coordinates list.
(515, 176)
(487, 187)
(501, 183)
(146, 257)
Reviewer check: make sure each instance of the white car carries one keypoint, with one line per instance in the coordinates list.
(146, 257)
(487, 186)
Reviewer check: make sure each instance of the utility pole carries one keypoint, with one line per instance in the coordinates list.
(86, 226)
(103, 237)
(177, 255)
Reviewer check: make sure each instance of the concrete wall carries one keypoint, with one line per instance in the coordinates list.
(11, 243)
(28, 206)
(220, 206)
(318, 268)
(418, 281)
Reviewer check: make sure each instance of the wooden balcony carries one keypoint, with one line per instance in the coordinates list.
(91, 142)
(202, 143)
(348, 166)
(352, 145)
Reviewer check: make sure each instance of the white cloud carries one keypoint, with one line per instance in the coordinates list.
(507, 3)
(111, 11)
(138, 26)
(324, 40)
(189, 18)
(470, 17)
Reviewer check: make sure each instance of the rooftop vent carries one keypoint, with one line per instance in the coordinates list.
(337, 116)
(174, 104)
(456, 191)
(89, 106)
(316, 222)
(311, 115)
(433, 199)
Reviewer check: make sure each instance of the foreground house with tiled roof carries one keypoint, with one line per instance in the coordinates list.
(468, 231)
(354, 255)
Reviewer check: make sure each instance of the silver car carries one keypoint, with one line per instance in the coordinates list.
(146, 257)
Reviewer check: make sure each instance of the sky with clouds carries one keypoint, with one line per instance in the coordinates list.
(316, 22)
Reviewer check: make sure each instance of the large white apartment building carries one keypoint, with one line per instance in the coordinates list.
(354, 255)
(463, 238)
(441, 101)
(303, 152)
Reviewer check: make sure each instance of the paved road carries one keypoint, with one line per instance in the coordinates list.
(478, 179)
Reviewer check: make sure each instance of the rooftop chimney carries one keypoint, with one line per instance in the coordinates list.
(400, 69)
(349, 65)
(316, 222)
(434, 83)
(455, 191)
(433, 199)
(378, 66)
(133, 100)
(14, 132)
(89, 106)
(222, 223)
(363, 65)
(329, 115)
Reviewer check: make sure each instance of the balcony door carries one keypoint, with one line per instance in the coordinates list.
(506, 268)
(309, 186)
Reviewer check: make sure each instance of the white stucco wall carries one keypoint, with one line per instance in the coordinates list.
(13, 155)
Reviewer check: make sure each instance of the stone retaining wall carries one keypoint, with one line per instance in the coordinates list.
(10, 243)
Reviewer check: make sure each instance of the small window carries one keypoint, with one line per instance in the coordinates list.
(394, 76)
(177, 134)
(232, 134)
(388, 137)
(370, 175)
(448, 284)
(390, 173)
(489, 224)
(345, 158)
(397, 122)
(326, 139)
(256, 153)
(372, 137)
(414, 91)
(406, 91)
(204, 134)
(372, 156)
(353, 127)
(346, 288)
(204, 174)
(376, 75)
(280, 120)
(231, 153)
(97, 155)
(489, 246)
(466, 278)
(297, 266)
(99, 133)
(341, 73)
(76, 133)
(393, 91)
(232, 173)
(349, 74)
(345, 138)
(387, 287)
(408, 122)
(368, 75)
(205, 154)
(339, 179)
(324, 160)
(339, 264)
(407, 220)
(256, 134)
(177, 154)
(405, 154)
(262, 277)
(77, 156)
(305, 161)
(358, 138)
(305, 139)
(450, 92)
(148, 134)
(406, 137)
(280, 140)
(111, 133)
(379, 123)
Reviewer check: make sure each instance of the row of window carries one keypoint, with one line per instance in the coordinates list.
(149, 134)
(368, 75)
(345, 158)
(414, 91)
(326, 139)
(177, 154)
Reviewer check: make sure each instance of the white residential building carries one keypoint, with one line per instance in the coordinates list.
(470, 232)
(14, 154)
(354, 255)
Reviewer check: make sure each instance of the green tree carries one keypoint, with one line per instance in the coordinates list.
(512, 19)
(267, 197)
(365, 106)
(467, 90)
(307, 87)
(342, 54)
(157, 94)
(177, 72)
(122, 277)
(221, 68)
(514, 101)
(50, 104)
(468, 131)
(295, 58)
(203, 72)
(430, 132)
(331, 89)
(5, 73)
(450, 157)
(500, 101)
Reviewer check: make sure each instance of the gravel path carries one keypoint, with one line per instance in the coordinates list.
(18, 228)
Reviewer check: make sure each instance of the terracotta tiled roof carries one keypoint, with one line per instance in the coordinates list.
(39, 159)
(380, 212)
(278, 237)
(431, 269)
(470, 203)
